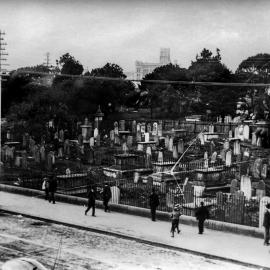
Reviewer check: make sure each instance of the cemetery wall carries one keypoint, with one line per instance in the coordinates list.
(211, 224)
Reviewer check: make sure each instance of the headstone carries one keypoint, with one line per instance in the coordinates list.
(95, 132)
(143, 128)
(170, 147)
(138, 136)
(140, 147)
(263, 202)
(115, 195)
(241, 132)
(122, 125)
(259, 142)
(214, 157)
(124, 147)
(149, 128)
(228, 158)
(234, 186)
(42, 153)
(146, 137)
(188, 192)
(116, 140)
(205, 160)
(134, 127)
(236, 147)
(175, 152)
(211, 129)
(116, 129)
(246, 132)
(245, 186)
(167, 141)
(264, 171)
(257, 168)
(223, 154)
(112, 135)
(236, 132)
(129, 141)
(260, 190)
(61, 135)
(230, 134)
(155, 129)
(254, 139)
(198, 190)
(201, 138)
(148, 150)
(180, 146)
(159, 129)
(160, 157)
(92, 142)
(226, 145)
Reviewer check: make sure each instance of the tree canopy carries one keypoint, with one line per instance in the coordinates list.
(69, 65)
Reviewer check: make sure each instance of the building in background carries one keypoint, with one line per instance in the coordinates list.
(143, 68)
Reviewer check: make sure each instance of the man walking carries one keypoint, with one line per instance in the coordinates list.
(202, 214)
(154, 203)
(266, 224)
(52, 189)
(91, 201)
(107, 194)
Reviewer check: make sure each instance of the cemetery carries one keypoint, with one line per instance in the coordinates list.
(223, 164)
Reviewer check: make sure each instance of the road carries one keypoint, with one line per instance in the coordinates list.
(70, 248)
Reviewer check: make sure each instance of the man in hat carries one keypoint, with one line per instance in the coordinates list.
(106, 194)
(266, 224)
(201, 214)
(154, 203)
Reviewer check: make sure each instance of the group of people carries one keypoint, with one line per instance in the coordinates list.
(106, 196)
(201, 214)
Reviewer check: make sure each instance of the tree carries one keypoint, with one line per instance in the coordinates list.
(109, 70)
(69, 65)
(168, 98)
(255, 69)
(214, 100)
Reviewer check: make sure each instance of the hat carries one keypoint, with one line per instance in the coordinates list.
(268, 206)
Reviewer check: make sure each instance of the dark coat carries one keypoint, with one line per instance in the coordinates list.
(153, 200)
(107, 194)
(91, 197)
(266, 219)
(202, 213)
(53, 185)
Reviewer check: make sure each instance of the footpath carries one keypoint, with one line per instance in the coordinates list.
(246, 250)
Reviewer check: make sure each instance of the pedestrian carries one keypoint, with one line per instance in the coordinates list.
(91, 201)
(175, 216)
(107, 194)
(52, 189)
(201, 214)
(266, 224)
(45, 187)
(154, 203)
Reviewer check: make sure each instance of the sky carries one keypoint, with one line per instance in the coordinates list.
(121, 32)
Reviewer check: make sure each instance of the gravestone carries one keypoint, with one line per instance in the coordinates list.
(259, 142)
(180, 146)
(264, 171)
(149, 150)
(236, 133)
(260, 190)
(198, 190)
(116, 139)
(134, 127)
(205, 157)
(230, 134)
(170, 147)
(124, 147)
(129, 141)
(66, 147)
(241, 132)
(257, 168)
(160, 157)
(236, 147)
(263, 202)
(92, 142)
(122, 125)
(112, 135)
(155, 129)
(214, 157)
(226, 145)
(234, 186)
(149, 128)
(211, 129)
(223, 154)
(61, 135)
(115, 195)
(140, 147)
(42, 153)
(201, 138)
(146, 137)
(254, 139)
(116, 129)
(143, 128)
(167, 141)
(80, 139)
(138, 136)
(160, 129)
(245, 186)
(175, 152)
(246, 132)
(95, 133)
(228, 158)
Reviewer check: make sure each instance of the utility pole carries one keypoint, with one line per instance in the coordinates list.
(2, 59)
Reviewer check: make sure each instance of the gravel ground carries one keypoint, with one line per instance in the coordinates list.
(70, 248)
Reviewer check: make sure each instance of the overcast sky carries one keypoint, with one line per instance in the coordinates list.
(97, 32)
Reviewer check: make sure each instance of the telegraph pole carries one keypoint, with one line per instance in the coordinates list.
(2, 59)
(47, 60)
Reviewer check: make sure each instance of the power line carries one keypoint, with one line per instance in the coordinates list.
(47, 60)
(230, 84)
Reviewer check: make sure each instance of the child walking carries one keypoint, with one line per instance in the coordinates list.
(175, 216)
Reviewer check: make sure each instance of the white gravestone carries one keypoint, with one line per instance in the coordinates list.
(241, 132)
(115, 195)
(160, 130)
(92, 142)
(236, 133)
(236, 148)
(263, 202)
(205, 160)
(230, 134)
(146, 137)
(246, 132)
(180, 146)
(214, 157)
(245, 186)
(175, 153)
(155, 129)
(170, 148)
(160, 157)
(254, 139)
(228, 158)
(95, 132)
